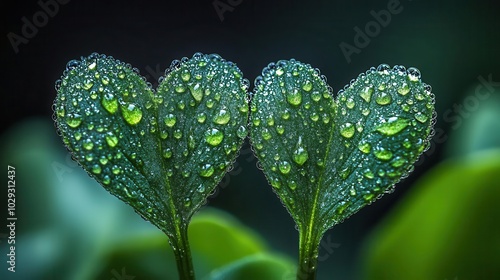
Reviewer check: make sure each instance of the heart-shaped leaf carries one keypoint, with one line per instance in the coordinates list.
(328, 158)
(161, 152)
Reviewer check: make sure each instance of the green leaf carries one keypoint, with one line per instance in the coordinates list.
(259, 266)
(446, 227)
(161, 152)
(328, 158)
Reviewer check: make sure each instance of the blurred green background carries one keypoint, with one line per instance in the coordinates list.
(440, 223)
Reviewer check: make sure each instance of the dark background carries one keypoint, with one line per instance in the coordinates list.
(451, 42)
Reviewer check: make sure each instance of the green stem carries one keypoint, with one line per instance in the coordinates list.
(182, 252)
(308, 254)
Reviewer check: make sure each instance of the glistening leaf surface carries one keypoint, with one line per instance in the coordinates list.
(328, 158)
(164, 152)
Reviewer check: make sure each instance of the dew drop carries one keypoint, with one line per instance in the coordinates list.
(383, 98)
(365, 147)
(307, 86)
(294, 97)
(132, 114)
(170, 120)
(214, 136)
(206, 170)
(347, 130)
(110, 103)
(111, 139)
(201, 117)
(177, 134)
(392, 126)
(404, 89)
(366, 93)
(292, 185)
(280, 129)
(196, 92)
(300, 154)
(398, 162)
(222, 117)
(167, 153)
(266, 134)
(284, 167)
(88, 145)
(96, 169)
(74, 120)
(413, 74)
(241, 132)
(382, 154)
(421, 117)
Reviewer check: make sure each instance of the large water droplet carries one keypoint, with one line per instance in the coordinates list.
(206, 170)
(241, 132)
(132, 114)
(307, 86)
(421, 117)
(214, 136)
(392, 126)
(383, 98)
(197, 92)
(366, 93)
(285, 167)
(110, 103)
(347, 130)
(222, 117)
(382, 154)
(96, 169)
(111, 139)
(294, 97)
(170, 120)
(74, 120)
(404, 89)
(300, 154)
(88, 144)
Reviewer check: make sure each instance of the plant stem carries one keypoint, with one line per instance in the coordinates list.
(182, 252)
(308, 254)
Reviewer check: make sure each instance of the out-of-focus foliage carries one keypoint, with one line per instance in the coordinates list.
(446, 228)
(70, 228)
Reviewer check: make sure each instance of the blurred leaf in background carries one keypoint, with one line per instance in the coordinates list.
(445, 228)
(71, 228)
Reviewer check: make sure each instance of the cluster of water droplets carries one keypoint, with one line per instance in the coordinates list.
(385, 119)
(204, 108)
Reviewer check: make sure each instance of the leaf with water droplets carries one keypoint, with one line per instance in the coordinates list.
(328, 158)
(152, 149)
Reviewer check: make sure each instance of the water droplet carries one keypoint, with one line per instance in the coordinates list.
(392, 126)
(132, 114)
(110, 103)
(92, 66)
(111, 139)
(170, 120)
(383, 98)
(398, 162)
(180, 88)
(241, 132)
(368, 174)
(116, 169)
(366, 93)
(187, 201)
(88, 144)
(365, 147)
(266, 134)
(74, 120)
(307, 86)
(206, 170)
(201, 117)
(413, 74)
(284, 167)
(382, 154)
(292, 185)
(368, 197)
(177, 134)
(314, 117)
(280, 129)
(407, 143)
(106, 180)
(300, 154)
(196, 92)
(294, 97)
(167, 153)
(347, 130)
(421, 117)
(201, 188)
(214, 136)
(185, 75)
(103, 160)
(96, 169)
(404, 89)
(222, 117)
